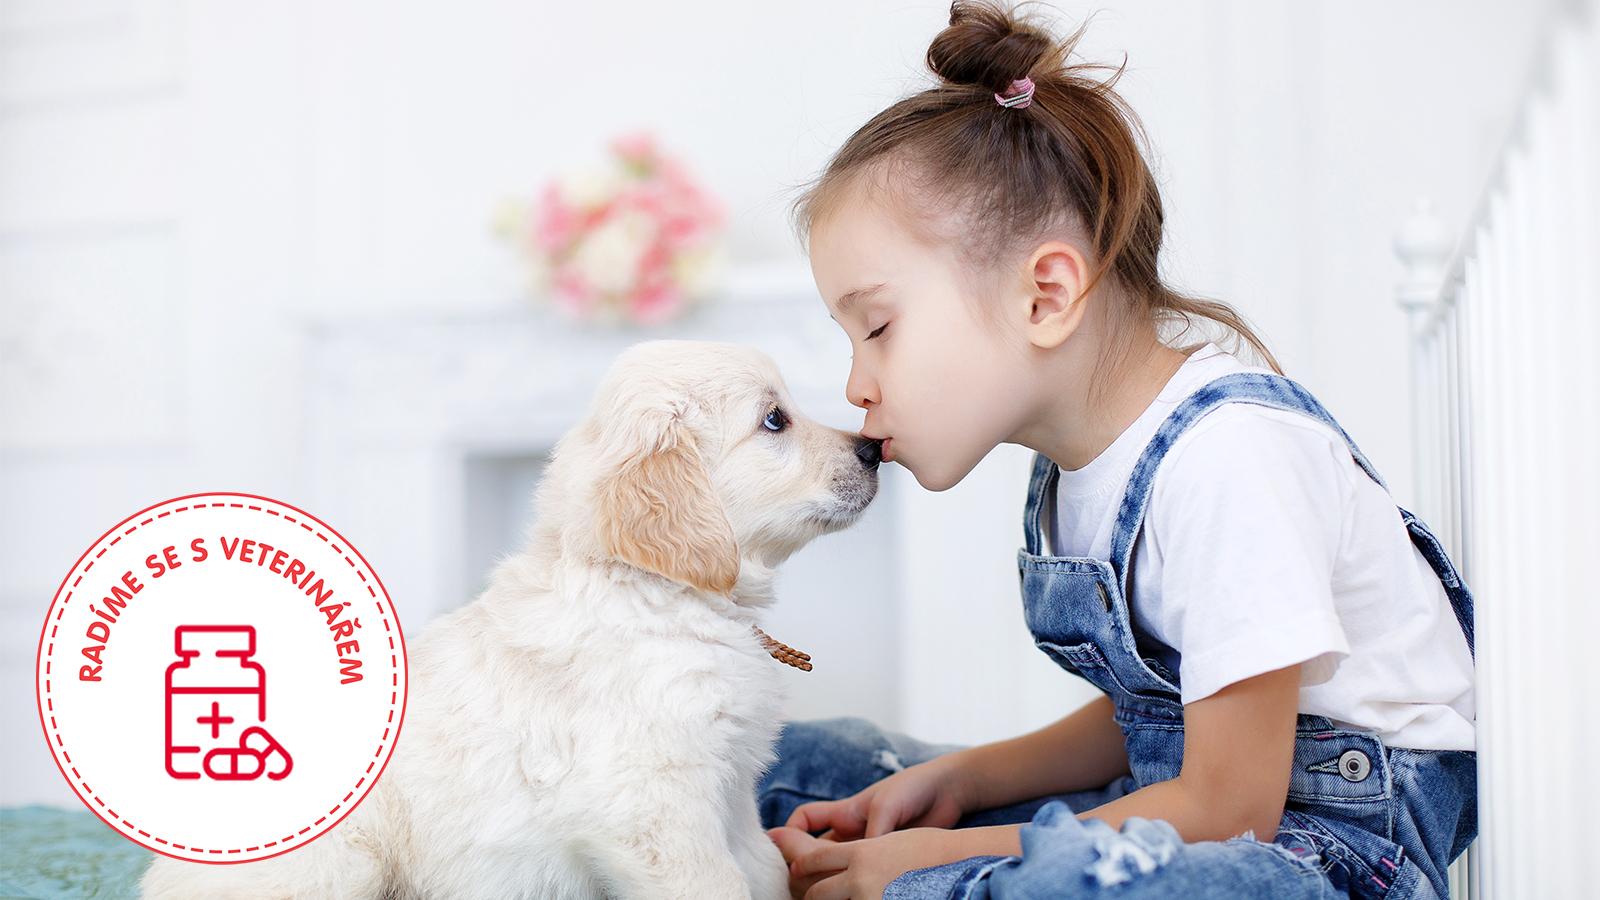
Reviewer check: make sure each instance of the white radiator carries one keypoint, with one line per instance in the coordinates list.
(1506, 411)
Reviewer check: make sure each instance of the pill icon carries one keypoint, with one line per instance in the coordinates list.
(233, 764)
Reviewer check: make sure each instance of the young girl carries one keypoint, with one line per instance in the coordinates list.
(1286, 655)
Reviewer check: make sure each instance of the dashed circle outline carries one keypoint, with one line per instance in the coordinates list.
(391, 731)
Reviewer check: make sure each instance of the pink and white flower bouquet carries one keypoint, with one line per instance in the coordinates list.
(635, 241)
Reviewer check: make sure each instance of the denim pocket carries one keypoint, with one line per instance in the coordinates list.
(1356, 860)
(1084, 660)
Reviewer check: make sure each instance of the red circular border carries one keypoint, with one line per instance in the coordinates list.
(39, 658)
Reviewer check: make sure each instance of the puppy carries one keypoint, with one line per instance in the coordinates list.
(594, 723)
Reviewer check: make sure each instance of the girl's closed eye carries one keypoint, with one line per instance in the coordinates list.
(877, 331)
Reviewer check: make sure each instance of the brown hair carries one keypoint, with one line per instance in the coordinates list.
(1011, 175)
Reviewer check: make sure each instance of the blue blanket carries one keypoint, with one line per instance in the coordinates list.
(49, 852)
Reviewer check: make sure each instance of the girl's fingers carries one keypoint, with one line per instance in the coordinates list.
(838, 815)
(822, 858)
(808, 816)
(882, 818)
(879, 822)
(812, 860)
(794, 843)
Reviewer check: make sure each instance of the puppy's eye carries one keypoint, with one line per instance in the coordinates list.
(877, 331)
(775, 420)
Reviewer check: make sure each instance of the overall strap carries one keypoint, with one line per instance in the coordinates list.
(1267, 389)
(1044, 471)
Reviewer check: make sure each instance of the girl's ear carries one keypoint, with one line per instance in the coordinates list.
(1057, 274)
(658, 512)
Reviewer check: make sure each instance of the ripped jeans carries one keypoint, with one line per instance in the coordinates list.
(1062, 856)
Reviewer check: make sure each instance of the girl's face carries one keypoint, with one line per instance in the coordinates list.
(940, 386)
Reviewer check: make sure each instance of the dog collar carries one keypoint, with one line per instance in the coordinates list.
(783, 652)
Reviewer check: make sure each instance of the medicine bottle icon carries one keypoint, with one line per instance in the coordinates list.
(217, 708)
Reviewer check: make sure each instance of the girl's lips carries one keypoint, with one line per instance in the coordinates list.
(885, 452)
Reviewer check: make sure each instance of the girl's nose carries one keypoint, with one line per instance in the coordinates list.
(859, 389)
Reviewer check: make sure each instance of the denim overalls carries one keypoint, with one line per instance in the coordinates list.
(1361, 819)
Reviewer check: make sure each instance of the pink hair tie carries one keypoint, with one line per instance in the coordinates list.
(1019, 95)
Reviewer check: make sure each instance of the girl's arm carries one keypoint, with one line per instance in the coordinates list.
(1238, 747)
(1084, 750)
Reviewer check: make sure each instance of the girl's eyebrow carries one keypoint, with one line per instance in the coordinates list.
(851, 298)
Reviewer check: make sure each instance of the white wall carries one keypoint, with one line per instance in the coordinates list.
(181, 183)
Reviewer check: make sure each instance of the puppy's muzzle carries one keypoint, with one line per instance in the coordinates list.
(869, 451)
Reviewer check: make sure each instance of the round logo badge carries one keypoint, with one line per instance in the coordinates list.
(221, 677)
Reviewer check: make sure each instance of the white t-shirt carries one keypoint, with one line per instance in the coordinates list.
(1265, 544)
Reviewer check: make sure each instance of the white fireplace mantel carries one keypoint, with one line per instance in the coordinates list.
(519, 376)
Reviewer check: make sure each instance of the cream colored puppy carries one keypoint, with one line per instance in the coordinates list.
(593, 724)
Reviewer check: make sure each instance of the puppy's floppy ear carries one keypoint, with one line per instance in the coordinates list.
(657, 510)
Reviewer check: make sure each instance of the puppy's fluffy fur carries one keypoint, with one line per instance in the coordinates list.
(593, 725)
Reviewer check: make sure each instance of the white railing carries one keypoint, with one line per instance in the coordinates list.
(1506, 413)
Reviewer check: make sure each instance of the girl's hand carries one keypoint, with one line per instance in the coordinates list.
(821, 869)
(932, 794)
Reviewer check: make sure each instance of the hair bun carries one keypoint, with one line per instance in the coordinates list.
(990, 46)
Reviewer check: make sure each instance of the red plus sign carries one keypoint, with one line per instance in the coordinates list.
(215, 720)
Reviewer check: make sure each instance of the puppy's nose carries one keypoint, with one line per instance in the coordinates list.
(869, 451)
